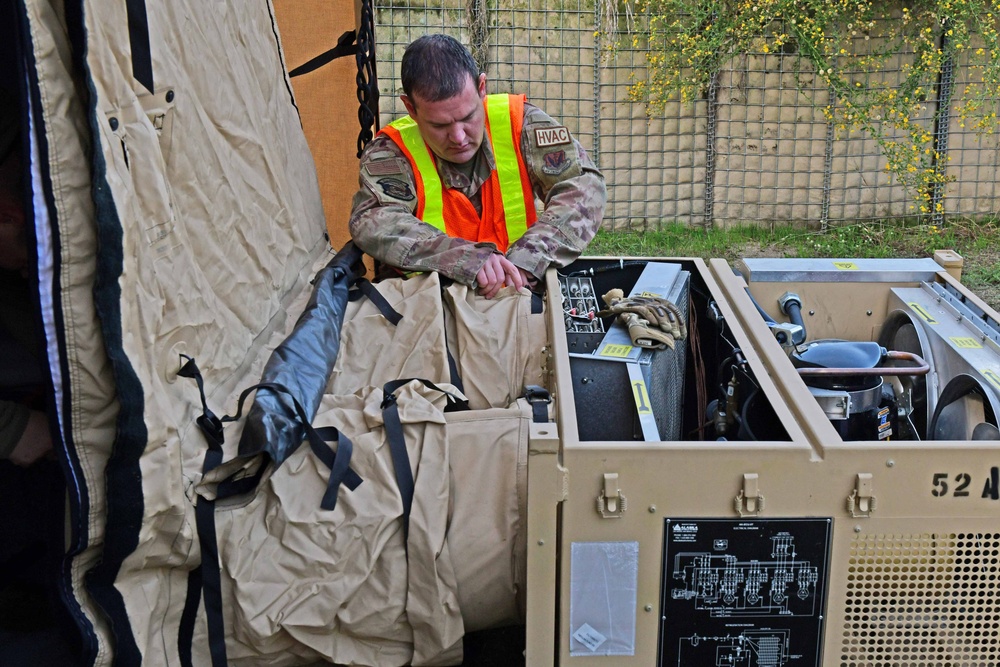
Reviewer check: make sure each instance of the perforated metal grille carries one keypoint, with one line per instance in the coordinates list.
(928, 599)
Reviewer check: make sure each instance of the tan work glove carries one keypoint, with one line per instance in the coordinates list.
(652, 321)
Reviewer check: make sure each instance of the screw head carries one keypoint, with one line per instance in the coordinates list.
(890, 463)
(857, 529)
(652, 509)
(648, 607)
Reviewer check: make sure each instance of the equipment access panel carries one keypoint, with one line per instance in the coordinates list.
(813, 488)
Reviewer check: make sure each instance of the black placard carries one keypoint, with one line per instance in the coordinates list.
(743, 592)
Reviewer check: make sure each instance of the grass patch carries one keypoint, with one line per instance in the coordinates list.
(978, 241)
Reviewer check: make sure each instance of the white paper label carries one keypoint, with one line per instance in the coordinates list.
(589, 637)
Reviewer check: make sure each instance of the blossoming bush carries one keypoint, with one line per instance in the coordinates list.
(882, 62)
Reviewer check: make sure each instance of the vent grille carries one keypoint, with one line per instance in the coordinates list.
(931, 600)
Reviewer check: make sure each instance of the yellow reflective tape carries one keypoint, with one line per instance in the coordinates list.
(992, 376)
(845, 266)
(641, 396)
(508, 170)
(433, 213)
(966, 343)
(615, 350)
(922, 312)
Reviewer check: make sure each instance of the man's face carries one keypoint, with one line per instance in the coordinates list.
(454, 127)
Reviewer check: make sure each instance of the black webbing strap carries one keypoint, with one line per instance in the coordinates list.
(206, 580)
(538, 398)
(397, 440)
(345, 47)
(138, 39)
(536, 303)
(365, 288)
(456, 379)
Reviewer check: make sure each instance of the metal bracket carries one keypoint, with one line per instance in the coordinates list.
(861, 502)
(749, 501)
(611, 504)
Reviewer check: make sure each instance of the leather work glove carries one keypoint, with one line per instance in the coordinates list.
(652, 321)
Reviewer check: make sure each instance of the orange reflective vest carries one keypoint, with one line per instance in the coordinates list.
(507, 200)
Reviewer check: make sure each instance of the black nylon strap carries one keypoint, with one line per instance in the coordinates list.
(338, 461)
(539, 399)
(536, 303)
(138, 39)
(345, 47)
(206, 580)
(384, 307)
(211, 576)
(400, 459)
(397, 440)
(185, 632)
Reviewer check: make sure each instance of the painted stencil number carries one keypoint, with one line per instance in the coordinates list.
(940, 484)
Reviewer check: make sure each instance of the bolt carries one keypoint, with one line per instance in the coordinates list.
(541, 543)
(648, 607)
(652, 509)
(857, 529)
(812, 312)
(869, 313)
(890, 463)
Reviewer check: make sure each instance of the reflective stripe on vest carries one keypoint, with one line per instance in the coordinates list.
(433, 206)
(508, 168)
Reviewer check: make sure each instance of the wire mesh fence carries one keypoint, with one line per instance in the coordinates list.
(756, 148)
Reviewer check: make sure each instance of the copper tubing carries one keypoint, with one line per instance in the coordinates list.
(922, 367)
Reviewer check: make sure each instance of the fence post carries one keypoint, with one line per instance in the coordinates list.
(942, 121)
(824, 218)
(710, 130)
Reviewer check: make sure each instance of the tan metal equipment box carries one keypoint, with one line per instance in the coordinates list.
(777, 532)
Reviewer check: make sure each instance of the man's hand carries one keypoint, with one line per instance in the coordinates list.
(497, 272)
(529, 280)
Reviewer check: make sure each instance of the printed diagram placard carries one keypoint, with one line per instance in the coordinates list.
(743, 593)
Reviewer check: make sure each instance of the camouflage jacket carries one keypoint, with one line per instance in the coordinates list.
(563, 178)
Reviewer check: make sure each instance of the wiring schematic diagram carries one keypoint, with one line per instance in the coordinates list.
(743, 593)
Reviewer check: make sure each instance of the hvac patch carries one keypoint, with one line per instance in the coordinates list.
(551, 136)
(555, 163)
(395, 188)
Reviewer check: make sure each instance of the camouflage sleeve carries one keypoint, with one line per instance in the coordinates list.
(383, 223)
(571, 188)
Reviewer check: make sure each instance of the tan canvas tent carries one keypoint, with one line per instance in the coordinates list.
(179, 222)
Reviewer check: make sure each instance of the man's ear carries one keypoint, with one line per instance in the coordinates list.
(482, 86)
(411, 108)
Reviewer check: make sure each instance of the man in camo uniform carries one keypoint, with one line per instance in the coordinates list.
(393, 219)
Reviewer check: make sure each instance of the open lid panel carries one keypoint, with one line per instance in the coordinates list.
(176, 212)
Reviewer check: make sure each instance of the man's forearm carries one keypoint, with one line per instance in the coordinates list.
(573, 213)
(399, 239)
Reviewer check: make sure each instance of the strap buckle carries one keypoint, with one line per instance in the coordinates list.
(534, 393)
(538, 398)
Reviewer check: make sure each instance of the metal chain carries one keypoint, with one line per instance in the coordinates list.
(367, 79)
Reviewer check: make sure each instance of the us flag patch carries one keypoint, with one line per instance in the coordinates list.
(385, 167)
(551, 136)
